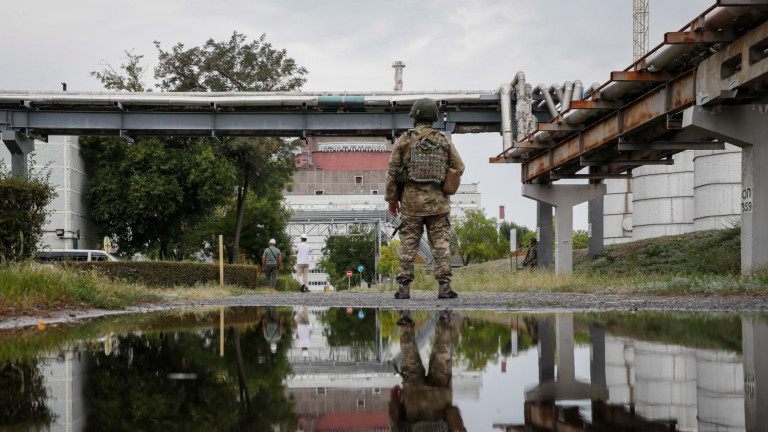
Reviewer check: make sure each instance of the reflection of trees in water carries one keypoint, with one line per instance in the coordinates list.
(23, 396)
(130, 389)
(344, 329)
(479, 342)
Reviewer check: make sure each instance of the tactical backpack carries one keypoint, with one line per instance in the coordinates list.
(429, 159)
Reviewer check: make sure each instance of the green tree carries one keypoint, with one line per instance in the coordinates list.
(238, 65)
(147, 194)
(233, 65)
(389, 258)
(521, 230)
(476, 237)
(128, 78)
(23, 211)
(580, 239)
(347, 252)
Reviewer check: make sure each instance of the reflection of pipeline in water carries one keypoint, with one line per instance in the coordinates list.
(426, 399)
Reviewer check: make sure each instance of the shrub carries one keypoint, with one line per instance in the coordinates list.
(23, 202)
(166, 273)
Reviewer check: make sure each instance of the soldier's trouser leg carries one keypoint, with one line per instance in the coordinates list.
(439, 235)
(411, 230)
(411, 367)
(440, 365)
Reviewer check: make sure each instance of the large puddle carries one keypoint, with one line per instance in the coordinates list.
(345, 369)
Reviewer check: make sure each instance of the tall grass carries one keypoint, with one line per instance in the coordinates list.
(29, 288)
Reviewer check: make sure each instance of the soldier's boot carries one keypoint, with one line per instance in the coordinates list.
(403, 292)
(445, 291)
(405, 317)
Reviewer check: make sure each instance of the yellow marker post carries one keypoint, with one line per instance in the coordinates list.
(221, 260)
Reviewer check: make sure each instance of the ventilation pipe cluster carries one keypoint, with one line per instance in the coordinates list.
(614, 90)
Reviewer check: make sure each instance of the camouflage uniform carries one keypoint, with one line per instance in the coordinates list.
(426, 398)
(422, 204)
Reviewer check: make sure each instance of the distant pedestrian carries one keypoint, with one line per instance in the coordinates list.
(272, 327)
(303, 329)
(271, 261)
(531, 259)
(302, 263)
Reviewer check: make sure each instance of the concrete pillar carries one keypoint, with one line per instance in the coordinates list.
(20, 146)
(595, 216)
(563, 198)
(754, 340)
(745, 126)
(544, 230)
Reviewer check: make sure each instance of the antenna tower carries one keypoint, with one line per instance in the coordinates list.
(639, 28)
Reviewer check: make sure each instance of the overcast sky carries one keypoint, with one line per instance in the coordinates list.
(350, 46)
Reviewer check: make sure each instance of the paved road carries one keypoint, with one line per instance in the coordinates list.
(535, 302)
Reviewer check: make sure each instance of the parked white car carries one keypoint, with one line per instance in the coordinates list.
(49, 255)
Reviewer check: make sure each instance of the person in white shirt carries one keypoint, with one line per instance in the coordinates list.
(302, 263)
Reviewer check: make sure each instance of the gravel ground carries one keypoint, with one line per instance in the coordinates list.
(531, 302)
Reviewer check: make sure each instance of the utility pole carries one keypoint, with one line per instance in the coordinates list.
(639, 28)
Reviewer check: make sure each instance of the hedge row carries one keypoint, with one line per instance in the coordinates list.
(167, 274)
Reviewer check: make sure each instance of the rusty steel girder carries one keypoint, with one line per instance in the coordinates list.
(734, 70)
(645, 111)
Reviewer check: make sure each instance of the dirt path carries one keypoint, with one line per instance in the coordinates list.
(535, 302)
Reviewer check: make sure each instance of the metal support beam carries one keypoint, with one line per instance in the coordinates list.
(19, 146)
(595, 105)
(559, 127)
(702, 37)
(672, 145)
(563, 198)
(745, 126)
(640, 76)
(626, 162)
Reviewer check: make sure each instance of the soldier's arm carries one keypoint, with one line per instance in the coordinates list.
(392, 194)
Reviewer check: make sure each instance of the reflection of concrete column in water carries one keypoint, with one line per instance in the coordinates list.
(665, 386)
(754, 339)
(546, 350)
(565, 367)
(620, 370)
(719, 391)
(597, 370)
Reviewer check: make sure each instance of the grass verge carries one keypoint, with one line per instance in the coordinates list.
(35, 289)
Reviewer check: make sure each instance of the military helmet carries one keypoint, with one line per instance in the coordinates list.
(424, 109)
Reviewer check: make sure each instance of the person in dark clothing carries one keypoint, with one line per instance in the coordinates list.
(530, 256)
(271, 261)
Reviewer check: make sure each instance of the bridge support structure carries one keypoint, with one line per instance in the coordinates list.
(596, 226)
(563, 198)
(745, 126)
(20, 146)
(544, 234)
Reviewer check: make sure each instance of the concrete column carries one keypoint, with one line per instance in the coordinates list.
(595, 216)
(563, 198)
(20, 146)
(745, 126)
(754, 340)
(544, 230)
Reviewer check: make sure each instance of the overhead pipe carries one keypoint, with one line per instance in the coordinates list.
(505, 92)
(558, 91)
(578, 89)
(565, 102)
(234, 99)
(523, 107)
(548, 98)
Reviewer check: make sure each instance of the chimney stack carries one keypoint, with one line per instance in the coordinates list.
(398, 65)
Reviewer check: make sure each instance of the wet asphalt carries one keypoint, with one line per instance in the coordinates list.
(524, 302)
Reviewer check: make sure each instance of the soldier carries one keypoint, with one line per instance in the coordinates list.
(417, 170)
(530, 256)
(425, 401)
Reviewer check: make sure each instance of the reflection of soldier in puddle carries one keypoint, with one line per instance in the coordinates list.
(425, 403)
(272, 328)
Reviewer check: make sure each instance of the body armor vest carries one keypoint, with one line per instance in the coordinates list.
(429, 161)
